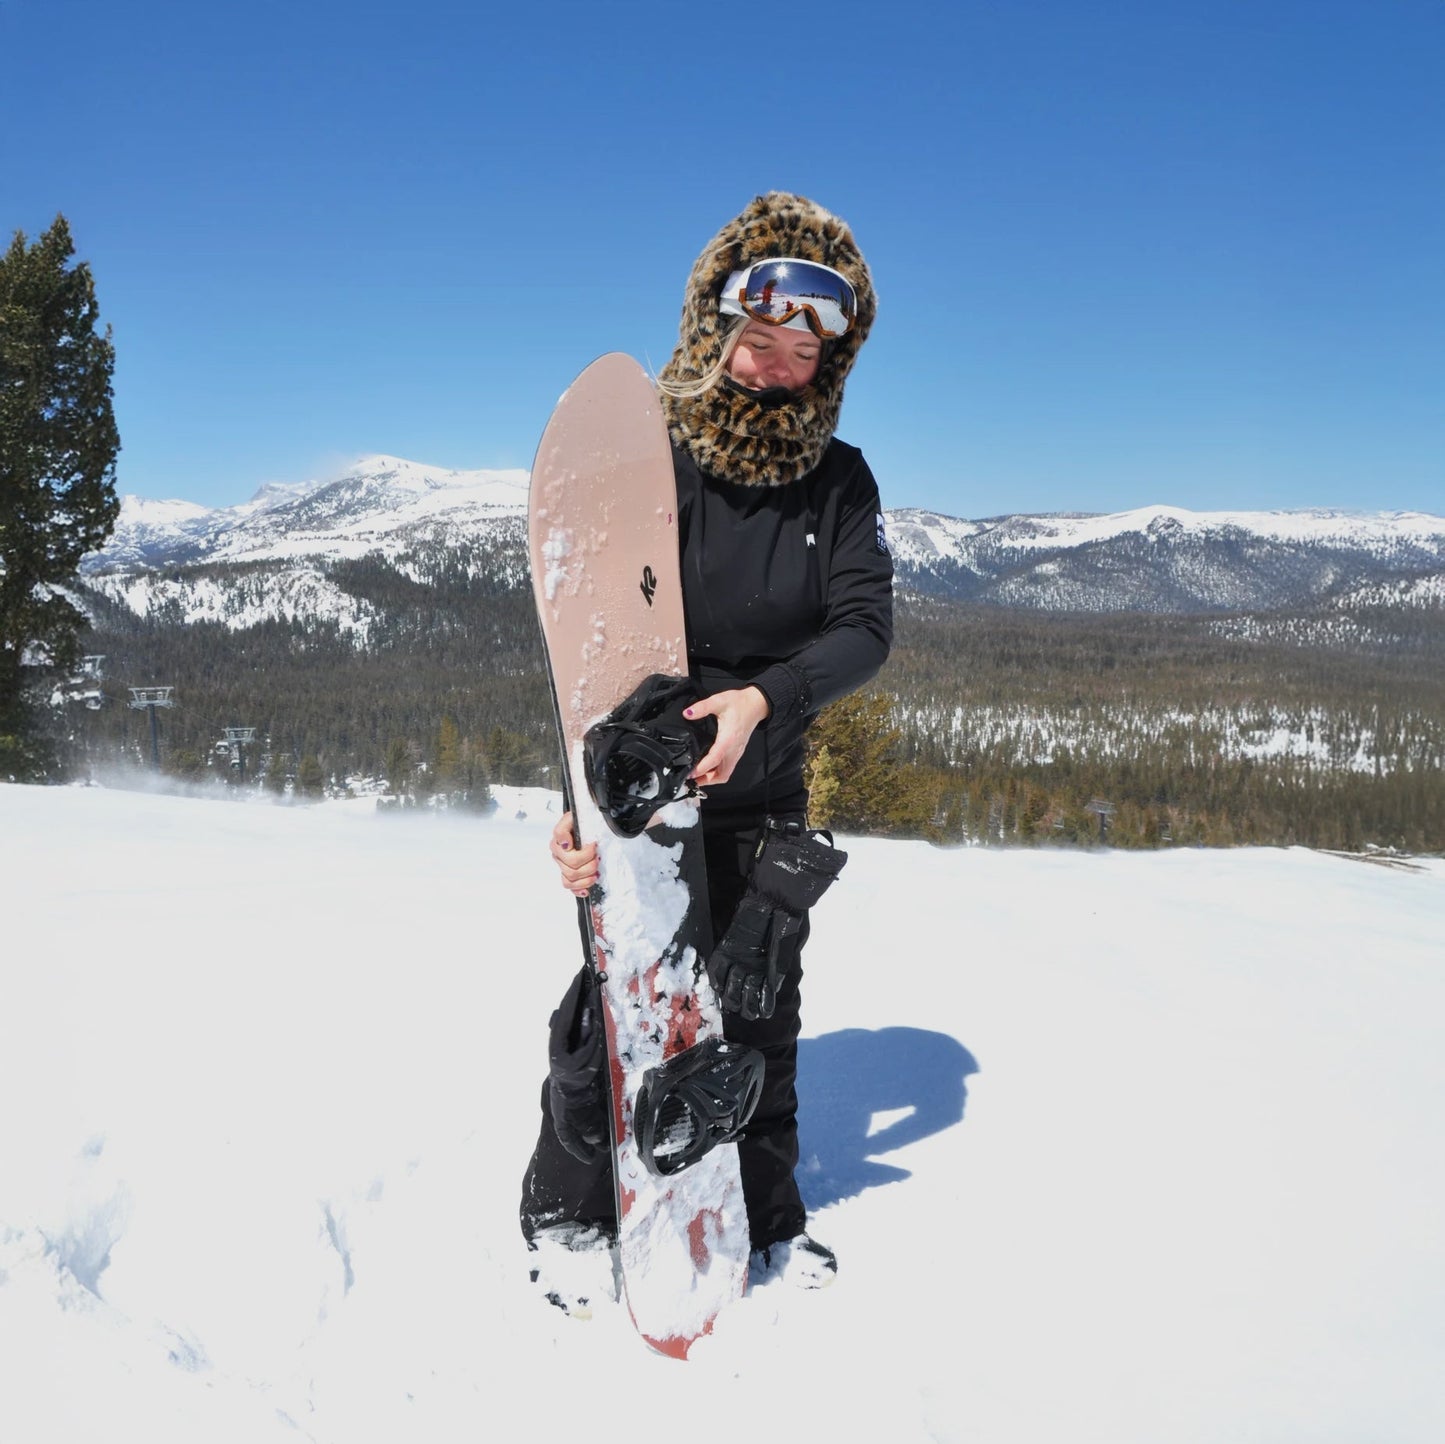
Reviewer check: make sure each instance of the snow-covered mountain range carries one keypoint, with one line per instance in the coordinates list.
(1166, 559)
(379, 504)
(427, 521)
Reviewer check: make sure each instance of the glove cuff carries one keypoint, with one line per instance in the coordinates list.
(794, 866)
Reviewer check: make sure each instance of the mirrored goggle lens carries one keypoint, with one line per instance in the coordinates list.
(776, 291)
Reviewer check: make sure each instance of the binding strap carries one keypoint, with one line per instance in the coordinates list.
(640, 756)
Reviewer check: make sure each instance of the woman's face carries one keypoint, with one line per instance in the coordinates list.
(775, 356)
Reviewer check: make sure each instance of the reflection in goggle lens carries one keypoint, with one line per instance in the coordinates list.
(777, 291)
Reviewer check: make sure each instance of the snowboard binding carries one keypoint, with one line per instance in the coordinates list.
(640, 756)
(695, 1101)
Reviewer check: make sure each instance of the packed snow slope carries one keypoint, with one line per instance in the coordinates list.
(1113, 1148)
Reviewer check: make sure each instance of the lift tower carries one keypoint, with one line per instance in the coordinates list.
(148, 699)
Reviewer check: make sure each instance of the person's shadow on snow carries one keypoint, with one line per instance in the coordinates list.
(865, 1092)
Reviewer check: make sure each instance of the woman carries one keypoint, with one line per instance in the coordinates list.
(787, 590)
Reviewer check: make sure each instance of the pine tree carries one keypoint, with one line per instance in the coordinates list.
(58, 443)
(398, 767)
(1033, 813)
(875, 791)
(511, 758)
(822, 787)
(276, 774)
(449, 755)
(310, 778)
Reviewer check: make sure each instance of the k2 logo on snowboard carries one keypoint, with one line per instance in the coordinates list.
(649, 584)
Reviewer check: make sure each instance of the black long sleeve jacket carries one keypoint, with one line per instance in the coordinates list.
(790, 589)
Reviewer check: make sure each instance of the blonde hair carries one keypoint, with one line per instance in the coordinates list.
(732, 333)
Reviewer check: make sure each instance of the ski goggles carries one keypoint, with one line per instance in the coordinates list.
(788, 292)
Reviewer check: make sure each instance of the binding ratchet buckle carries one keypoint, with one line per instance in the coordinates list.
(693, 1102)
(640, 756)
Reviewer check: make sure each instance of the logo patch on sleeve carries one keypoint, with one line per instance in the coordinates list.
(882, 543)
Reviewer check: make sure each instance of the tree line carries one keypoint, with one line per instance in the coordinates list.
(1184, 729)
(985, 726)
(447, 654)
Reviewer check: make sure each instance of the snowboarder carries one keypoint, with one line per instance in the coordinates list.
(787, 589)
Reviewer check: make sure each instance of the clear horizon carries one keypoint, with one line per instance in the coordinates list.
(1186, 256)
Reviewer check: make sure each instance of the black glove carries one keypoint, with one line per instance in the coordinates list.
(792, 868)
(577, 1095)
(746, 966)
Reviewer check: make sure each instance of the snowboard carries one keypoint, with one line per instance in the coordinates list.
(602, 532)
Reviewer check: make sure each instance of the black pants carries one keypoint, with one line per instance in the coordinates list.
(559, 1188)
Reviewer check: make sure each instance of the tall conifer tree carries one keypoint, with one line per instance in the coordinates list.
(58, 444)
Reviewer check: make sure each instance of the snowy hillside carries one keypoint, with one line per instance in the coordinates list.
(1115, 1148)
(376, 504)
(272, 557)
(921, 534)
(1164, 558)
(1425, 591)
(423, 520)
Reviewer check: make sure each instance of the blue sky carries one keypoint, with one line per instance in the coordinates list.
(1126, 252)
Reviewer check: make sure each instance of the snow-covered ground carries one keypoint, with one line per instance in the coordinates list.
(1136, 1149)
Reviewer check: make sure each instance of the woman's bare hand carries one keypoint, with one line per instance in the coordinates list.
(578, 865)
(739, 714)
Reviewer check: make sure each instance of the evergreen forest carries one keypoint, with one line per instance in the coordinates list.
(987, 725)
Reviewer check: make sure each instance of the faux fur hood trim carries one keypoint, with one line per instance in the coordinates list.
(725, 431)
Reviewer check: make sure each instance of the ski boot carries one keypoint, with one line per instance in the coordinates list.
(572, 1264)
(801, 1261)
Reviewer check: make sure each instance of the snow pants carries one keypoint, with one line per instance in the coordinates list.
(559, 1188)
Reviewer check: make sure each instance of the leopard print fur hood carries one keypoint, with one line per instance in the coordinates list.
(728, 433)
